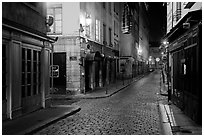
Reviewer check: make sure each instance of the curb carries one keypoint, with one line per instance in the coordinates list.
(166, 125)
(48, 122)
(105, 96)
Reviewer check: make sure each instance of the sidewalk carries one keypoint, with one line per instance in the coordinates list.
(35, 121)
(39, 119)
(100, 92)
(174, 121)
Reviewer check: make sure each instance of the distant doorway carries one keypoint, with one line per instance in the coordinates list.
(59, 80)
(87, 75)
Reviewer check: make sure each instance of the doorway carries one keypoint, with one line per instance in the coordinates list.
(59, 79)
(88, 65)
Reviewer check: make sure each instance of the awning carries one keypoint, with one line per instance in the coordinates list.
(94, 56)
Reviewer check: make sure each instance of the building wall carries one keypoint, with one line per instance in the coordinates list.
(28, 11)
(172, 9)
(70, 22)
(69, 41)
(129, 37)
(26, 47)
(184, 61)
(143, 32)
(104, 13)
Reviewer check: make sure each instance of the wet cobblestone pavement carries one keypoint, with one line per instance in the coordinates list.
(132, 111)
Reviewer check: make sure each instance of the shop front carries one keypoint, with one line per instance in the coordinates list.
(185, 44)
(25, 71)
(93, 70)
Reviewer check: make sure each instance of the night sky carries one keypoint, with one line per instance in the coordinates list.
(157, 19)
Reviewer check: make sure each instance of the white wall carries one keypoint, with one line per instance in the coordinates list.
(70, 17)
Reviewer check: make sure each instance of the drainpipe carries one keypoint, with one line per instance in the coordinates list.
(52, 79)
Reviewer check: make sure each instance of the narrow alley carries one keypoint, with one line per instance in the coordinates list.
(101, 68)
(133, 110)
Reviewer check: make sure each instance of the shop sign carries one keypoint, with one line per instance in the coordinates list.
(73, 58)
(54, 71)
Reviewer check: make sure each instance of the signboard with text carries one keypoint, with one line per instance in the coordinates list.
(54, 71)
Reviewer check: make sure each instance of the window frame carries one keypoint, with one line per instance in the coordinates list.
(110, 35)
(29, 85)
(54, 27)
(97, 30)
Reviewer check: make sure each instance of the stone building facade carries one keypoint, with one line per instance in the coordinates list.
(88, 44)
(184, 67)
(134, 36)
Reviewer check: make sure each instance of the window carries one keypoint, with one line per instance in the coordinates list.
(178, 11)
(110, 36)
(88, 27)
(97, 31)
(126, 19)
(110, 7)
(88, 31)
(116, 8)
(56, 12)
(116, 28)
(104, 33)
(30, 76)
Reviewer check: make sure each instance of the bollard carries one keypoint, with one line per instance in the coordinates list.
(160, 83)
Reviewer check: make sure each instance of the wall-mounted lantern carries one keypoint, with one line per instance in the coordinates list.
(139, 51)
(88, 20)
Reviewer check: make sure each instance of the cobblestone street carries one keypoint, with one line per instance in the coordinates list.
(132, 111)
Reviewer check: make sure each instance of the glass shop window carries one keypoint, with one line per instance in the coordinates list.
(30, 77)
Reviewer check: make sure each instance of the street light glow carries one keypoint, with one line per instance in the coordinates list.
(157, 59)
(139, 51)
(165, 42)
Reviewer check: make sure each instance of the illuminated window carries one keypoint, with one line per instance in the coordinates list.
(97, 31)
(56, 12)
(88, 27)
